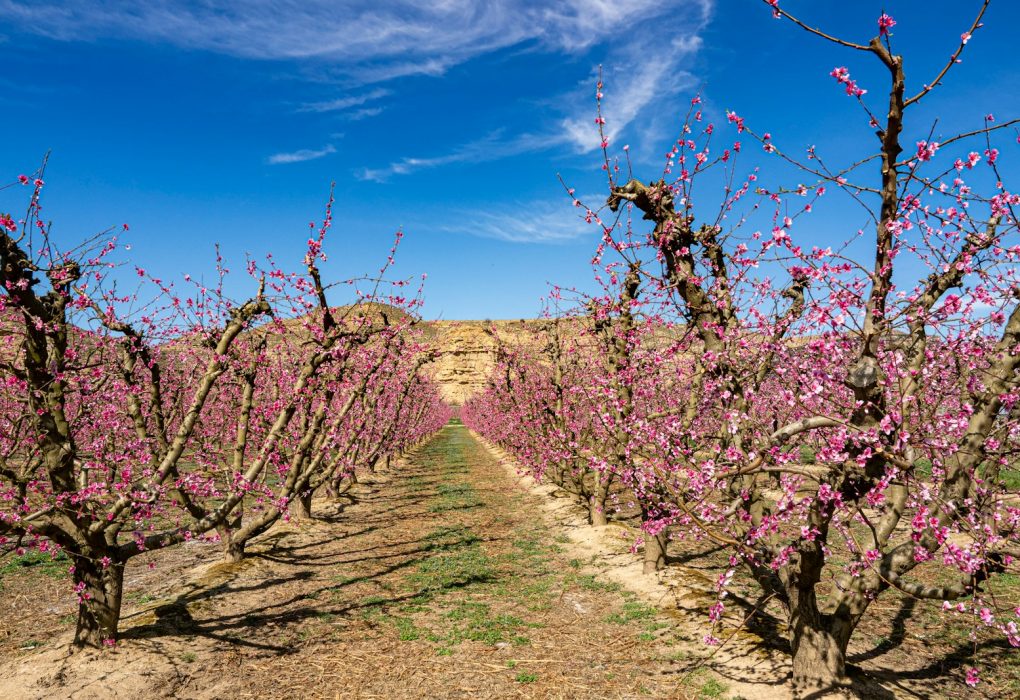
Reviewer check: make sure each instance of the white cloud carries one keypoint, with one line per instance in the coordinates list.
(553, 221)
(492, 147)
(368, 39)
(644, 44)
(300, 156)
(359, 114)
(343, 103)
(633, 81)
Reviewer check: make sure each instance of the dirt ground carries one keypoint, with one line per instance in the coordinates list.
(448, 577)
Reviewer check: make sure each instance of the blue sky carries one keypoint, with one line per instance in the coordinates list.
(206, 122)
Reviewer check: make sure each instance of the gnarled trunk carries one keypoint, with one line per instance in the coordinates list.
(233, 547)
(655, 552)
(818, 642)
(100, 590)
(597, 502)
(301, 507)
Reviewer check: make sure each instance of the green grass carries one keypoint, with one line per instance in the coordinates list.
(406, 630)
(458, 496)
(704, 685)
(41, 562)
(922, 468)
(526, 677)
(449, 538)
(1010, 478)
(474, 621)
(458, 569)
(631, 612)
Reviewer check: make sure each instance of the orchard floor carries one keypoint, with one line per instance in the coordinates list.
(447, 577)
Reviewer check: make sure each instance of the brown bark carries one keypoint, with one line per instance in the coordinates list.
(597, 503)
(99, 592)
(301, 507)
(655, 553)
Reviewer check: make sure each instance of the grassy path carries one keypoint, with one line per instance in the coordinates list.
(440, 581)
(457, 590)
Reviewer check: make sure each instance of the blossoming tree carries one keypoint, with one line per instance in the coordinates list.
(130, 426)
(824, 417)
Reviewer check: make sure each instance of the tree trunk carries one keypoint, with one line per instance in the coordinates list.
(655, 552)
(233, 548)
(99, 597)
(597, 504)
(301, 507)
(818, 643)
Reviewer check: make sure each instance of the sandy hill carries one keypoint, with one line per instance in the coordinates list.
(467, 352)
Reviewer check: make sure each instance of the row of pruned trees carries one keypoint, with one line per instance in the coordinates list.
(128, 427)
(825, 414)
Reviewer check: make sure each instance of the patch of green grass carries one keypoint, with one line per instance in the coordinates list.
(447, 538)
(457, 496)
(41, 562)
(474, 621)
(526, 677)
(531, 547)
(188, 657)
(922, 468)
(458, 569)
(712, 689)
(372, 606)
(632, 611)
(406, 630)
(588, 582)
(704, 685)
(1010, 478)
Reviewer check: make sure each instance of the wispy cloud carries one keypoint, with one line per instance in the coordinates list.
(301, 155)
(634, 81)
(493, 147)
(359, 114)
(381, 40)
(367, 39)
(344, 103)
(548, 221)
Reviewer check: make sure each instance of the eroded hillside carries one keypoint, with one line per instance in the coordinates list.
(467, 352)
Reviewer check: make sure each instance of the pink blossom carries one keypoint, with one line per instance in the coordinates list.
(926, 150)
(885, 23)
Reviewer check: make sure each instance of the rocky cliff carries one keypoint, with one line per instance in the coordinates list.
(467, 353)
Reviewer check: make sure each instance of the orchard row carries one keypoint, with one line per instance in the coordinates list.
(834, 405)
(135, 422)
